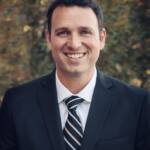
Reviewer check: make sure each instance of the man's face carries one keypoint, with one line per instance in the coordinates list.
(75, 40)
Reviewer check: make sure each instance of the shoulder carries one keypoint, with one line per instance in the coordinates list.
(29, 86)
(126, 96)
(24, 93)
(122, 88)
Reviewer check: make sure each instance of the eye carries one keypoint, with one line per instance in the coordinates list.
(85, 32)
(62, 33)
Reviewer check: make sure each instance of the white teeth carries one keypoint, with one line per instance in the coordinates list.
(78, 55)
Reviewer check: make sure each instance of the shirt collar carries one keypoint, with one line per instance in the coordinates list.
(86, 93)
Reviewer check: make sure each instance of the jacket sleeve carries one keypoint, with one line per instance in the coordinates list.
(7, 128)
(142, 141)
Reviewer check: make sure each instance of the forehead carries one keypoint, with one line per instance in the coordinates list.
(74, 16)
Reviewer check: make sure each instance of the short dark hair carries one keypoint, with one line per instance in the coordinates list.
(69, 3)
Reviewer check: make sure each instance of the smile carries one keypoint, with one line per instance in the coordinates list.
(75, 55)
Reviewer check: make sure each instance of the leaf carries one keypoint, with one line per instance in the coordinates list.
(27, 28)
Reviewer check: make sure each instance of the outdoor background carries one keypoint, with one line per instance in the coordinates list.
(23, 52)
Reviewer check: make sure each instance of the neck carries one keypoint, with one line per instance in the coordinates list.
(75, 83)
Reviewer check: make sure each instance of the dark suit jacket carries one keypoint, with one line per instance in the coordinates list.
(119, 117)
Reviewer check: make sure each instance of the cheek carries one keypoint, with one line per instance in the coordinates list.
(95, 55)
(95, 50)
(94, 43)
(95, 47)
(58, 46)
(55, 46)
(57, 53)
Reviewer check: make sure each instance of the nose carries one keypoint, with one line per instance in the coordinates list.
(74, 42)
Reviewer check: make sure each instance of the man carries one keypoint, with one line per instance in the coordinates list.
(75, 107)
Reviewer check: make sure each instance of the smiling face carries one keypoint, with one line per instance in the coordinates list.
(75, 40)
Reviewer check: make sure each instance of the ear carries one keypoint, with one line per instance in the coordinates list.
(48, 39)
(102, 38)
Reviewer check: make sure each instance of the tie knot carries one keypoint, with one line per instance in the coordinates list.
(73, 102)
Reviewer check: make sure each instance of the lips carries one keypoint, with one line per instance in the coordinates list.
(75, 55)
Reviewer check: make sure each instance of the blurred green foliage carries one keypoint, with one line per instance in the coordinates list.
(24, 54)
(127, 54)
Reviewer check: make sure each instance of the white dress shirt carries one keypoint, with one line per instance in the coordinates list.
(83, 109)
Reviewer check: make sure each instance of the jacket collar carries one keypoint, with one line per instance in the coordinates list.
(48, 103)
(99, 111)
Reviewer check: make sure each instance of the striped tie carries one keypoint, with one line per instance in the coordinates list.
(73, 132)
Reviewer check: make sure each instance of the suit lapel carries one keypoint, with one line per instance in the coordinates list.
(100, 106)
(47, 99)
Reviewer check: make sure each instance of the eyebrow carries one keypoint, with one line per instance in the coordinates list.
(86, 28)
(81, 28)
(60, 29)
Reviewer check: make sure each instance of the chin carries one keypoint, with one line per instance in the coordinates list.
(76, 72)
